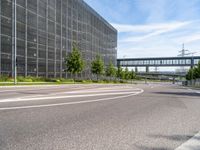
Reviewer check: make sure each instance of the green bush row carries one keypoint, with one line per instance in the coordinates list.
(31, 79)
(5, 78)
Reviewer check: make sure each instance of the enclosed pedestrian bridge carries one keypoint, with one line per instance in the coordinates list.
(159, 62)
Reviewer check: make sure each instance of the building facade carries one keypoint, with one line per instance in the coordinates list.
(46, 30)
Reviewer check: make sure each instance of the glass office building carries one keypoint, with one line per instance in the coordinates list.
(46, 31)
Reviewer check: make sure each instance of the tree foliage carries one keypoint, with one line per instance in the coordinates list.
(110, 70)
(193, 73)
(132, 74)
(74, 62)
(126, 74)
(97, 66)
(120, 73)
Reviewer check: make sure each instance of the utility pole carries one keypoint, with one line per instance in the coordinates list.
(183, 54)
(183, 51)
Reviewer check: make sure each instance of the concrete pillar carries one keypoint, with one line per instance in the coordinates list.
(147, 69)
(136, 70)
(173, 80)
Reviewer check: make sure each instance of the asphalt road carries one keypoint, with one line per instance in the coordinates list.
(99, 117)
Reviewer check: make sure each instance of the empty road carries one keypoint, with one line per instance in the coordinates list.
(156, 116)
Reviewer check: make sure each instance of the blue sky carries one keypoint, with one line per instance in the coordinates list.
(152, 28)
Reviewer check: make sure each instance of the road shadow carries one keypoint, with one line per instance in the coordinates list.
(172, 137)
(32, 93)
(141, 147)
(178, 138)
(179, 93)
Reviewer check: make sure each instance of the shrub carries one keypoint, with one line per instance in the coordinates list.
(20, 79)
(4, 78)
(27, 80)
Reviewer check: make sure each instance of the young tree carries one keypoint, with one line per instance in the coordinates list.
(110, 70)
(198, 70)
(193, 73)
(74, 62)
(97, 66)
(132, 74)
(126, 73)
(120, 73)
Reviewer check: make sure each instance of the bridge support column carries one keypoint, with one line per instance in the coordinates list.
(136, 70)
(173, 80)
(147, 69)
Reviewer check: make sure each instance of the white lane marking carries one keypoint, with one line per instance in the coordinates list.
(81, 91)
(191, 144)
(70, 103)
(60, 97)
(99, 90)
(56, 87)
(77, 90)
(36, 89)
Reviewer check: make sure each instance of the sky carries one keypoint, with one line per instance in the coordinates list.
(152, 28)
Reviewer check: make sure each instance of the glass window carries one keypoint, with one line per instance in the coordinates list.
(42, 23)
(32, 5)
(32, 19)
(6, 26)
(51, 14)
(6, 44)
(32, 35)
(42, 8)
(20, 31)
(51, 27)
(52, 3)
(42, 38)
(20, 47)
(7, 11)
(21, 2)
(21, 14)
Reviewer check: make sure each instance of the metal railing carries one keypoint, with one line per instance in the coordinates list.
(193, 83)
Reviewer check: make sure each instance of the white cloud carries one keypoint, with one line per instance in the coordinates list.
(148, 30)
(149, 27)
(161, 39)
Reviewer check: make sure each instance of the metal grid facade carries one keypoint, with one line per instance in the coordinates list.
(46, 30)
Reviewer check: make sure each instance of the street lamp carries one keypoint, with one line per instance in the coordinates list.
(15, 40)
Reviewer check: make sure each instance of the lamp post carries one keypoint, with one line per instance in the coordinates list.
(15, 41)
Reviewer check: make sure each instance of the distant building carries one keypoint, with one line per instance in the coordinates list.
(46, 30)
